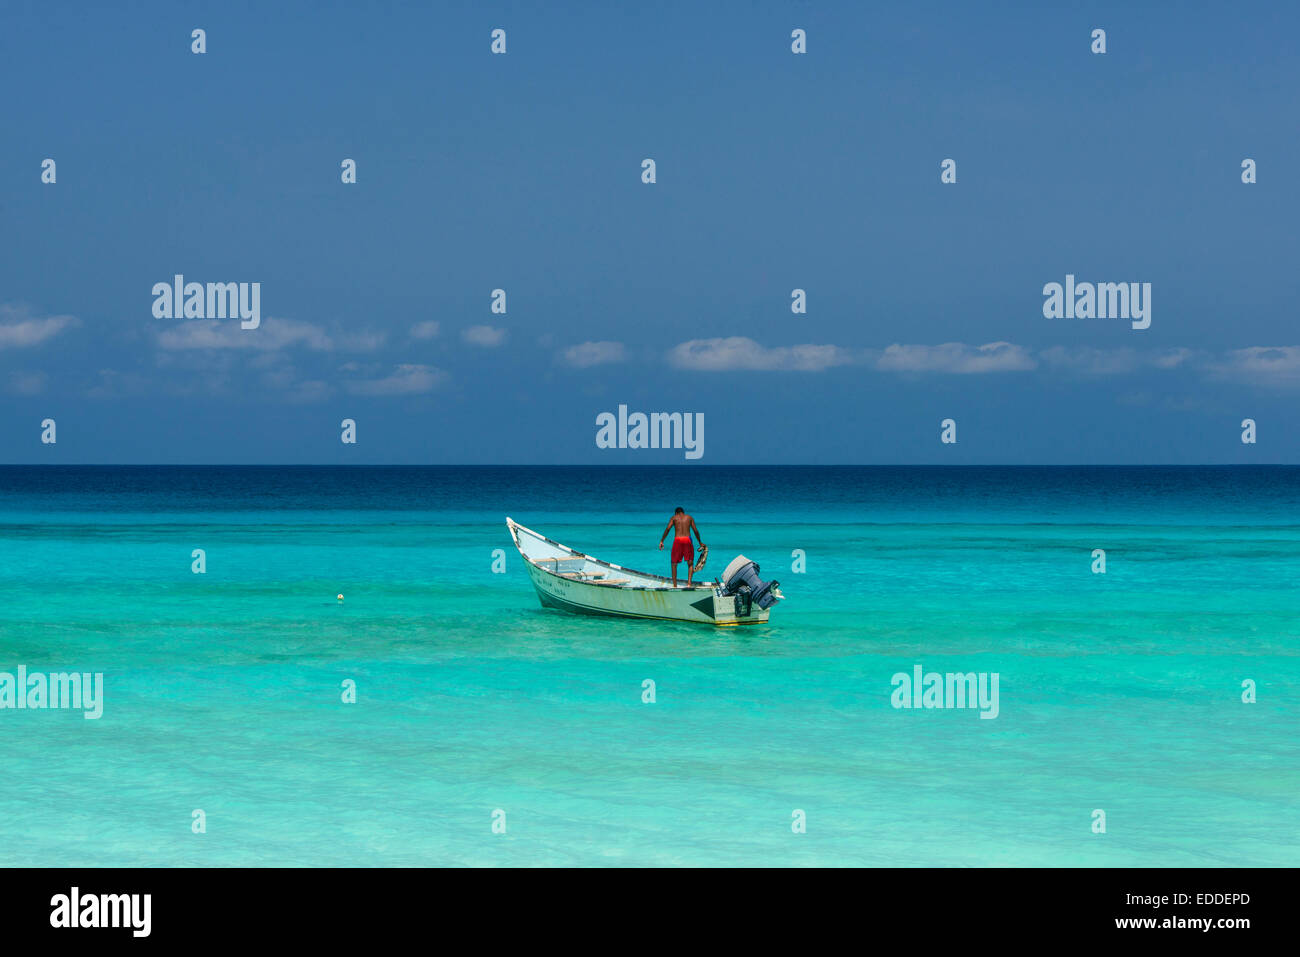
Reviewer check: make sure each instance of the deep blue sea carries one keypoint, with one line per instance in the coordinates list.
(1120, 692)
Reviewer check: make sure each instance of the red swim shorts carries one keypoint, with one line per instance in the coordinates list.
(683, 550)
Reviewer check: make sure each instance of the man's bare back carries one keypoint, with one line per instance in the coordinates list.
(683, 550)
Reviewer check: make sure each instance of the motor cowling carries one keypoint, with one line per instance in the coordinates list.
(741, 579)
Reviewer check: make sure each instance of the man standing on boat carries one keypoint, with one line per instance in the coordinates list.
(683, 550)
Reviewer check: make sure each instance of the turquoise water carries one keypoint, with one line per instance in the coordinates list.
(1119, 692)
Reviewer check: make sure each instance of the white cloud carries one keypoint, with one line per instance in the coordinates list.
(227, 334)
(1089, 360)
(587, 354)
(111, 383)
(1173, 358)
(956, 357)
(272, 335)
(362, 340)
(1260, 365)
(19, 330)
(487, 336)
(426, 330)
(27, 383)
(407, 379)
(282, 376)
(310, 390)
(739, 352)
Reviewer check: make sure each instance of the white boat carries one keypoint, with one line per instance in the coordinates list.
(569, 580)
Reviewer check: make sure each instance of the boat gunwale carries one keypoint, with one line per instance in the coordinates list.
(668, 585)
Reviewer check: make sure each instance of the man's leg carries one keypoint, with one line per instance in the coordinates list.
(674, 574)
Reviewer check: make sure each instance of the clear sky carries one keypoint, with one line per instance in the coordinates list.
(775, 171)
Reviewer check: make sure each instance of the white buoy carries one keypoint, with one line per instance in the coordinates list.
(340, 597)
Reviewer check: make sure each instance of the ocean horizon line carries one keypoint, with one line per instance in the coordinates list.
(659, 465)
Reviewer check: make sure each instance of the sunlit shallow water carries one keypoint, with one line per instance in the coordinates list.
(1119, 691)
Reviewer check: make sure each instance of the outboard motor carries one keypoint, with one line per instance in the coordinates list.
(741, 579)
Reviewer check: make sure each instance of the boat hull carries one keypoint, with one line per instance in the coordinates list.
(704, 605)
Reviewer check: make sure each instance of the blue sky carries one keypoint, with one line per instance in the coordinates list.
(775, 171)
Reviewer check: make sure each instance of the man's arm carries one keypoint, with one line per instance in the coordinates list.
(665, 534)
(696, 530)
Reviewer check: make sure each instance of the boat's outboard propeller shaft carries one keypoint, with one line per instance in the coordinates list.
(741, 579)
